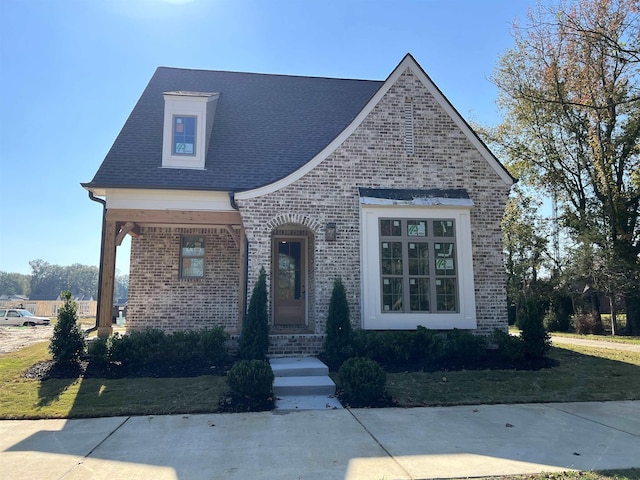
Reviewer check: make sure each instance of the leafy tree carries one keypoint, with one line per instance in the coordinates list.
(570, 92)
(14, 283)
(254, 339)
(49, 280)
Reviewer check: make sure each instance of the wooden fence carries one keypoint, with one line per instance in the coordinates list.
(49, 308)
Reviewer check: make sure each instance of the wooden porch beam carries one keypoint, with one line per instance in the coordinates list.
(105, 326)
(183, 217)
(130, 228)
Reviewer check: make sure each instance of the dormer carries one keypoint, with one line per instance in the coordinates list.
(188, 121)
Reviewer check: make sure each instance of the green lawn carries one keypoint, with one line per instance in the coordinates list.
(583, 374)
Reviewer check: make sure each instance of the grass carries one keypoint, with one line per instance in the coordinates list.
(582, 374)
(22, 398)
(622, 474)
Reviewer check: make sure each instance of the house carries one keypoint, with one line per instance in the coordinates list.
(381, 183)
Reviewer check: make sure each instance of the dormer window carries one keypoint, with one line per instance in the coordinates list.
(184, 135)
(188, 122)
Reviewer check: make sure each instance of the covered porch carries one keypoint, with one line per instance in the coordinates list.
(118, 223)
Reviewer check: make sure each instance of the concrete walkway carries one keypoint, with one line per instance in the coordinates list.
(441, 442)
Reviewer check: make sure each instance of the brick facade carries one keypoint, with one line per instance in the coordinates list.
(159, 298)
(374, 156)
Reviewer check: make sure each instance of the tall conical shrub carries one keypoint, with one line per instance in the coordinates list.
(338, 342)
(254, 338)
(68, 342)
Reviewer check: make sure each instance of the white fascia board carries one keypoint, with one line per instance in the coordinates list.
(407, 63)
(190, 200)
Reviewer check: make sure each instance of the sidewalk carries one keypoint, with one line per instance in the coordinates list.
(352, 444)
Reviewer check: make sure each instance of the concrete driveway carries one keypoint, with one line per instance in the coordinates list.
(352, 444)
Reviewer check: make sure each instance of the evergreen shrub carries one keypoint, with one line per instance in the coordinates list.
(338, 342)
(68, 341)
(254, 338)
(363, 381)
(251, 379)
(465, 347)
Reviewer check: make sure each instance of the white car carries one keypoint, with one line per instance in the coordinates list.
(19, 316)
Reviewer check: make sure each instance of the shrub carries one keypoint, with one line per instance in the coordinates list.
(68, 342)
(427, 346)
(510, 348)
(587, 324)
(362, 380)
(251, 379)
(338, 342)
(98, 350)
(139, 350)
(465, 347)
(254, 338)
(536, 340)
(551, 321)
(213, 346)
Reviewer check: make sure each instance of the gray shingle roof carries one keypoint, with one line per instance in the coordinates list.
(265, 127)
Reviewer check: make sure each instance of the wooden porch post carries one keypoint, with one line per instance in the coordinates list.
(105, 325)
(242, 293)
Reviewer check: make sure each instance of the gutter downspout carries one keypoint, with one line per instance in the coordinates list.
(234, 205)
(104, 221)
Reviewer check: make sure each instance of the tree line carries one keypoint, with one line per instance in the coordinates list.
(48, 280)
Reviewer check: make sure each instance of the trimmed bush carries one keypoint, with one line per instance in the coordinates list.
(68, 342)
(510, 348)
(536, 340)
(251, 379)
(427, 346)
(138, 351)
(362, 380)
(465, 347)
(254, 338)
(98, 351)
(338, 342)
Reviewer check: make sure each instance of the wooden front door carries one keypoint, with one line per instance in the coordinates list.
(290, 277)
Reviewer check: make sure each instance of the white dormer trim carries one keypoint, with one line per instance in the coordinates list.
(408, 63)
(200, 105)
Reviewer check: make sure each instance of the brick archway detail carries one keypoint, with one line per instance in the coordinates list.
(294, 219)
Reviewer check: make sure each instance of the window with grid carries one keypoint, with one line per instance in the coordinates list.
(192, 256)
(418, 266)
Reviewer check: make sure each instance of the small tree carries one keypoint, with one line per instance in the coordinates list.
(254, 339)
(68, 342)
(338, 343)
(535, 338)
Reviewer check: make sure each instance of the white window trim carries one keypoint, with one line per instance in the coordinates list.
(372, 316)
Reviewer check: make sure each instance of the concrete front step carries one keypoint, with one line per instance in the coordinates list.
(308, 385)
(298, 367)
(296, 403)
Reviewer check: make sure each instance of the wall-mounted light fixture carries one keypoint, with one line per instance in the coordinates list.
(330, 232)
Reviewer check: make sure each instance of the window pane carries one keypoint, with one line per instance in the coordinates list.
(184, 135)
(445, 258)
(391, 258)
(443, 228)
(391, 294)
(419, 294)
(390, 228)
(446, 295)
(193, 267)
(416, 228)
(418, 258)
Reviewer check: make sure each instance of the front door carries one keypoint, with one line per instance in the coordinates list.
(290, 281)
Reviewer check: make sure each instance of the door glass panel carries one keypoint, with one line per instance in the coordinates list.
(289, 274)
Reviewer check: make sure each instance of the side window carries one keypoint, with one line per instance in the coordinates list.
(3, 313)
(192, 256)
(13, 313)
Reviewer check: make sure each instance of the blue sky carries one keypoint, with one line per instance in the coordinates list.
(72, 70)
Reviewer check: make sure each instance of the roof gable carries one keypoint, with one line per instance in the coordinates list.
(408, 62)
